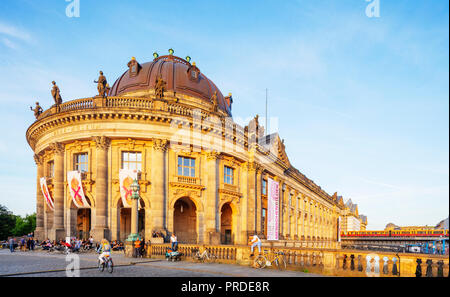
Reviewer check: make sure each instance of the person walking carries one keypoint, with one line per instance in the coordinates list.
(174, 241)
(32, 244)
(11, 244)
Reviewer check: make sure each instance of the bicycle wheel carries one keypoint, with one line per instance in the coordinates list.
(259, 262)
(110, 266)
(101, 266)
(280, 263)
(212, 258)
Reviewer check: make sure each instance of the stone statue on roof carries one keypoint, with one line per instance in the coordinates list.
(102, 85)
(56, 94)
(37, 110)
(160, 87)
(214, 102)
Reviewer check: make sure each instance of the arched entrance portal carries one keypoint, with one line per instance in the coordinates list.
(125, 220)
(226, 215)
(83, 223)
(185, 220)
(80, 220)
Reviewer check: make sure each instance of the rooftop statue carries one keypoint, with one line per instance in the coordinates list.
(214, 101)
(37, 110)
(160, 87)
(102, 85)
(56, 94)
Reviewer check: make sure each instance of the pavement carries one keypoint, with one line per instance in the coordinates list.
(54, 264)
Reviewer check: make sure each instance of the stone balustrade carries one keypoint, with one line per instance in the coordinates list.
(333, 262)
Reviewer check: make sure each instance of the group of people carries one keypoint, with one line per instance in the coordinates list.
(23, 243)
(74, 245)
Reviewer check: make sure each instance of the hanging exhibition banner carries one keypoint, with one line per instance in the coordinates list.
(46, 194)
(126, 178)
(273, 205)
(76, 189)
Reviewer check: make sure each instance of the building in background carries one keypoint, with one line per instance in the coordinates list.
(201, 175)
(351, 219)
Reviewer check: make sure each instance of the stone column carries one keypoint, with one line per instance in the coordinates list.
(288, 214)
(135, 216)
(158, 184)
(259, 201)
(244, 207)
(39, 233)
(58, 232)
(212, 212)
(251, 214)
(101, 229)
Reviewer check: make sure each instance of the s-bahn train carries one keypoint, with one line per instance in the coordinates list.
(398, 233)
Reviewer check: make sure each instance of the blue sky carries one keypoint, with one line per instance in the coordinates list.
(362, 103)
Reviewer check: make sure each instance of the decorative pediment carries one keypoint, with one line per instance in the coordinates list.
(230, 193)
(187, 186)
(273, 145)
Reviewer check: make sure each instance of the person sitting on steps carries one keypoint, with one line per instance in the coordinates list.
(255, 242)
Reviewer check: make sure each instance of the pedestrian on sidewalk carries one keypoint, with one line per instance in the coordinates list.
(174, 241)
(11, 244)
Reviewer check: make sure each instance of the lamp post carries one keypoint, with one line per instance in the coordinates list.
(134, 211)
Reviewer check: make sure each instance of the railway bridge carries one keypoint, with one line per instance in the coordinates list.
(417, 244)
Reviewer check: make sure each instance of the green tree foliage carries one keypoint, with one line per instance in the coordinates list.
(7, 223)
(24, 225)
(12, 225)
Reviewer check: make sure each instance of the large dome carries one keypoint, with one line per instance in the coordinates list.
(180, 77)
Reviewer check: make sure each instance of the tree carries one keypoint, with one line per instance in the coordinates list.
(24, 226)
(7, 222)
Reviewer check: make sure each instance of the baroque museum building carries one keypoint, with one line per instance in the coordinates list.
(201, 175)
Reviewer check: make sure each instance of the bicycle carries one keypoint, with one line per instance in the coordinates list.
(107, 262)
(270, 259)
(210, 258)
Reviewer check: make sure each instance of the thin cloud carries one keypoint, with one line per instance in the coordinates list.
(9, 43)
(15, 32)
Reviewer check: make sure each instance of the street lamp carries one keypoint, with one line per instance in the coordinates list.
(134, 211)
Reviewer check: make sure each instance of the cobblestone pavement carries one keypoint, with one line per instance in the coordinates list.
(22, 263)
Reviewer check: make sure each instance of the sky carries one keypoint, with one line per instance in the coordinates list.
(361, 102)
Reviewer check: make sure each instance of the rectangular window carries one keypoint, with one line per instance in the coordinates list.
(228, 175)
(132, 160)
(80, 162)
(51, 169)
(264, 187)
(263, 220)
(186, 166)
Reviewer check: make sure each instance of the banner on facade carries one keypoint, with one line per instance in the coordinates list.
(126, 178)
(76, 189)
(273, 207)
(46, 193)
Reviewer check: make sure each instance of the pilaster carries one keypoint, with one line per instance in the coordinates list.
(58, 232)
(101, 229)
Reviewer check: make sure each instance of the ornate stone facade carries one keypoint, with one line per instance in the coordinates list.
(202, 176)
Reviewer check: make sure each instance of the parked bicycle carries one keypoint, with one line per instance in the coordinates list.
(269, 259)
(205, 256)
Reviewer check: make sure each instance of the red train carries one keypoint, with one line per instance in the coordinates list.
(398, 233)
